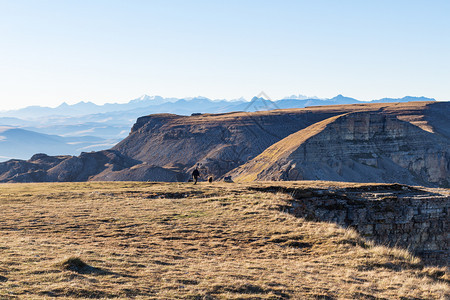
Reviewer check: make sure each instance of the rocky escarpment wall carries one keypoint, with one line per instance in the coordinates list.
(365, 146)
(393, 215)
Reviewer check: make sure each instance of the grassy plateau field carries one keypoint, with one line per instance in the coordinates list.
(182, 241)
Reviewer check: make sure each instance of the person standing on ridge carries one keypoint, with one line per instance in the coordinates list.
(195, 175)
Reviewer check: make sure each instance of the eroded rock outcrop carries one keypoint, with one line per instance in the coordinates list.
(33, 170)
(380, 146)
(109, 165)
(221, 142)
(218, 142)
(395, 215)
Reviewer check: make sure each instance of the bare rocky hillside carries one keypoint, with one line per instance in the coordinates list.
(218, 142)
(388, 145)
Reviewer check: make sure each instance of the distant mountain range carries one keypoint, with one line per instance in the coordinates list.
(85, 126)
(156, 104)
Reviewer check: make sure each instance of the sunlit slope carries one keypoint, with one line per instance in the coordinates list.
(221, 142)
(372, 146)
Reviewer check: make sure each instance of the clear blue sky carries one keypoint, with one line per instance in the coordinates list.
(113, 51)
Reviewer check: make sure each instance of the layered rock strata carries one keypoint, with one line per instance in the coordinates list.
(393, 215)
(357, 147)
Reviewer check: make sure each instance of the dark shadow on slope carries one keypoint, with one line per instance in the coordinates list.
(255, 291)
(392, 215)
(75, 264)
(78, 293)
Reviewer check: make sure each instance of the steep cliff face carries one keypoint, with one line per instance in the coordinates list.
(218, 143)
(381, 146)
(394, 215)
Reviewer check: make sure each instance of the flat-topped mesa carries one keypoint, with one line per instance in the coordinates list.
(357, 147)
(221, 142)
(218, 142)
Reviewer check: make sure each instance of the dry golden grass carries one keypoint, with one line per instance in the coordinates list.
(180, 241)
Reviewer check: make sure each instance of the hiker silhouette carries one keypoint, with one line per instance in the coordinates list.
(195, 175)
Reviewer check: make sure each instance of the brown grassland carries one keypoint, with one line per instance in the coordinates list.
(180, 241)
